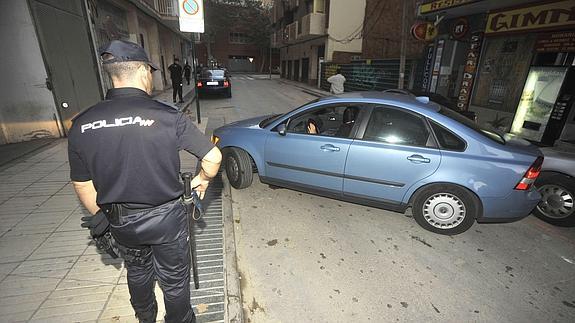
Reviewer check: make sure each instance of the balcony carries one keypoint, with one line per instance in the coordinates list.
(168, 9)
(290, 32)
(312, 25)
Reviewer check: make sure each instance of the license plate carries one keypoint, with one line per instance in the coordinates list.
(212, 83)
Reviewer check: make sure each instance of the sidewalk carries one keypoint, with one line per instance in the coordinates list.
(50, 271)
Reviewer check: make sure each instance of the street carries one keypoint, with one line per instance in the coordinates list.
(304, 258)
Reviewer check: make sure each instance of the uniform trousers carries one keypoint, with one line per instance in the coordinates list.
(164, 229)
(177, 90)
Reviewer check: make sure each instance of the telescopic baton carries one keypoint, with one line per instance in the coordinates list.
(194, 211)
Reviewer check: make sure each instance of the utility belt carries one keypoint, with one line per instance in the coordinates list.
(116, 211)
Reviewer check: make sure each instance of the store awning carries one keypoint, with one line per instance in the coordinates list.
(459, 8)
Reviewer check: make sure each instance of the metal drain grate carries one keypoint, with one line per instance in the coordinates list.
(208, 300)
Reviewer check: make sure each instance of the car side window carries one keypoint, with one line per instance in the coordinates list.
(396, 127)
(447, 140)
(330, 121)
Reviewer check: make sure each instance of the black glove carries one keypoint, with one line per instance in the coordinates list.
(97, 223)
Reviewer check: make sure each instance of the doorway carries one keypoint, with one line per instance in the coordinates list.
(305, 70)
(63, 34)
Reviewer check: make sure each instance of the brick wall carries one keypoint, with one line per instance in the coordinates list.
(382, 29)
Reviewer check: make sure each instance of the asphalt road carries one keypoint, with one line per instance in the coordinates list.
(305, 258)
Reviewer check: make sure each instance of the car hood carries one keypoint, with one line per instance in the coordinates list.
(520, 145)
(247, 123)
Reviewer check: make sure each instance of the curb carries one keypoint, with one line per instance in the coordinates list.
(233, 298)
(305, 89)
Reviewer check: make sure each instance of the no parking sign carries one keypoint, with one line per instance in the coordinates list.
(191, 15)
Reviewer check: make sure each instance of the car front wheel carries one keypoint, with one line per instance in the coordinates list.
(238, 167)
(445, 209)
(557, 194)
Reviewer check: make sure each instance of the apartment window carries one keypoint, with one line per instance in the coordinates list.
(239, 38)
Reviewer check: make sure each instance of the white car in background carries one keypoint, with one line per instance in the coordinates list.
(556, 183)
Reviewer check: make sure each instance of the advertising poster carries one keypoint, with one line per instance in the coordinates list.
(537, 100)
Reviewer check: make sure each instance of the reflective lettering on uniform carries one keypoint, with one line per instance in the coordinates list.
(121, 122)
(98, 124)
(124, 121)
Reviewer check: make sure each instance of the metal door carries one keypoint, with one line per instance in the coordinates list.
(304, 70)
(68, 55)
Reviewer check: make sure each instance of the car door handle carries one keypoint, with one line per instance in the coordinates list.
(329, 147)
(418, 159)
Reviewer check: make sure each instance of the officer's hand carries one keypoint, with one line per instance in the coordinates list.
(200, 185)
(97, 223)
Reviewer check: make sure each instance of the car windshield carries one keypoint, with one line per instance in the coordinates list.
(485, 131)
(212, 73)
(269, 120)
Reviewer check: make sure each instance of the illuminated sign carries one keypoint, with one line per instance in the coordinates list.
(548, 15)
(442, 4)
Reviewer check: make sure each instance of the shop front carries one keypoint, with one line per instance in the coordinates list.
(510, 62)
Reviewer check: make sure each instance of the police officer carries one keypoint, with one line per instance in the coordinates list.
(124, 165)
(187, 72)
(176, 76)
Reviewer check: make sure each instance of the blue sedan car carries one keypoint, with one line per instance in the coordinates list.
(389, 150)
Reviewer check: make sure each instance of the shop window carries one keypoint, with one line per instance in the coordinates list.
(504, 65)
(497, 91)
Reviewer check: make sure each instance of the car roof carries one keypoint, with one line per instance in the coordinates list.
(385, 97)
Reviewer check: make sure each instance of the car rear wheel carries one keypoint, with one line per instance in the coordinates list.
(557, 195)
(445, 209)
(238, 167)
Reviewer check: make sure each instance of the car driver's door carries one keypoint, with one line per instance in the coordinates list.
(309, 161)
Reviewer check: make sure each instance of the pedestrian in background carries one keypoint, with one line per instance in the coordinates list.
(187, 72)
(336, 82)
(176, 73)
(131, 185)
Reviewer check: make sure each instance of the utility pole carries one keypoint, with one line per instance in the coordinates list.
(403, 44)
(195, 66)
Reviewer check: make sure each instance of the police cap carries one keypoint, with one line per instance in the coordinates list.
(125, 51)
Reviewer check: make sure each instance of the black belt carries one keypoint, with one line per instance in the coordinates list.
(114, 211)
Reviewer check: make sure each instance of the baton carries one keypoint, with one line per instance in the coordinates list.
(190, 199)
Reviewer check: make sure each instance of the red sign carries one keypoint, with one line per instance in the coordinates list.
(418, 30)
(556, 42)
(459, 28)
(469, 70)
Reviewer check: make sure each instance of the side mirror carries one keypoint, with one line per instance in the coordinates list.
(282, 129)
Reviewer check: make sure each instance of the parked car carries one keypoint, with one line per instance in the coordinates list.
(214, 81)
(557, 186)
(400, 151)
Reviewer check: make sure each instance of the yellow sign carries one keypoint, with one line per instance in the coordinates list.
(441, 4)
(548, 15)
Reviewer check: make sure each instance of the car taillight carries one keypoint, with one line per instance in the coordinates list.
(531, 175)
(199, 84)
(226, 83)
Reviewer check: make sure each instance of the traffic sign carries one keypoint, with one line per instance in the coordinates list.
(191, 15)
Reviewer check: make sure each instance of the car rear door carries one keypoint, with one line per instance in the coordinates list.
(394, 151)
(309, 161)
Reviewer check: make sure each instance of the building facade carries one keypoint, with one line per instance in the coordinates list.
(53, 57)
(236, 37)
(510, 61)
(383, 29)
(306, 33)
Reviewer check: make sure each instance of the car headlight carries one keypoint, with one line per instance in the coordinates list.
(215, 139)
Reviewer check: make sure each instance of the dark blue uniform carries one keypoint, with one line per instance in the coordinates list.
(176, 77)
(128, 145)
